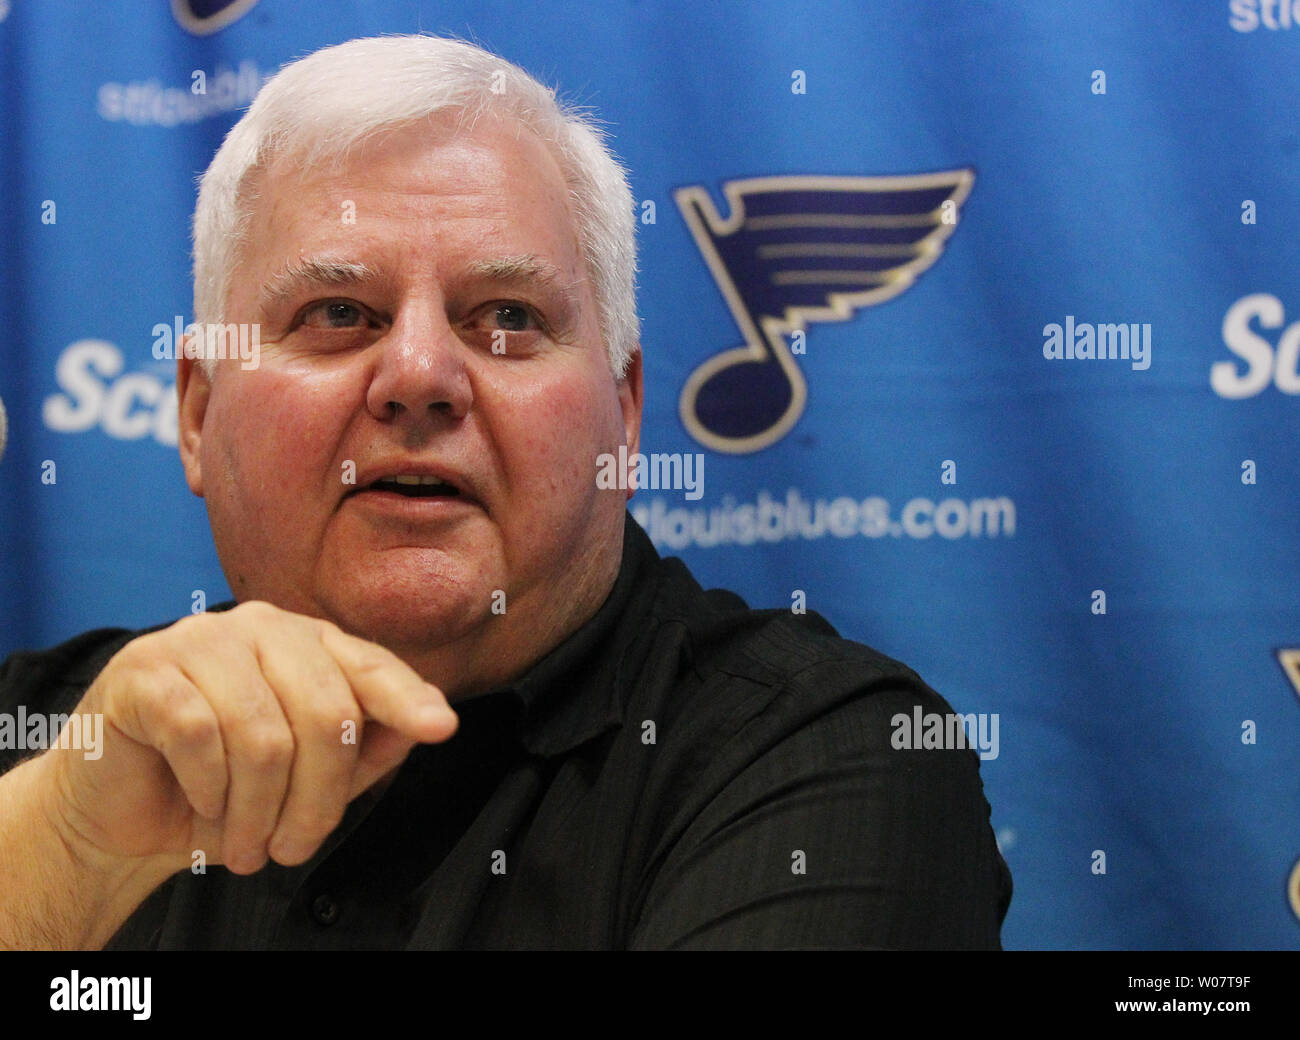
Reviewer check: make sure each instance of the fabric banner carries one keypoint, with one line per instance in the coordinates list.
(967, 325)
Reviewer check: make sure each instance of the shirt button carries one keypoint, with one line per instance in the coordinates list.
(324, 910)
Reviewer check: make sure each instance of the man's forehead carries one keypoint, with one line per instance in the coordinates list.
(330, 225)
(411, 152)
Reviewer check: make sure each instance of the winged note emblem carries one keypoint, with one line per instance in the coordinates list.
(793, 251)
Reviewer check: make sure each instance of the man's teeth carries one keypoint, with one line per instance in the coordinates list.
(410, 478)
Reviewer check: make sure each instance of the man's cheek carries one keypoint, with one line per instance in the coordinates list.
(563, 465)
(264, 466)
(299, 421)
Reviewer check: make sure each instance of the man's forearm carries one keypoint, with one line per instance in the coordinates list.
(54, 896)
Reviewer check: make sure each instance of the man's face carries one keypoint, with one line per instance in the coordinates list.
(424, 312)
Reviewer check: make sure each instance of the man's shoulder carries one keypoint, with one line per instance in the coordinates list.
(771, 730)
(735, 663)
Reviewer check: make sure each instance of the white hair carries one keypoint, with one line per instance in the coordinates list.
(316, 108)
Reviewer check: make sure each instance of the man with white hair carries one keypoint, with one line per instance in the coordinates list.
(440, 260)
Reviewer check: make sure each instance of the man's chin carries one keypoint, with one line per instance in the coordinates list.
(407, 617)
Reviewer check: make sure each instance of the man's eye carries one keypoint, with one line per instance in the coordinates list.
(333, 314)
(512, 317)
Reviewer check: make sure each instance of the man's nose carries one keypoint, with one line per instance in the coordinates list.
(420, 371)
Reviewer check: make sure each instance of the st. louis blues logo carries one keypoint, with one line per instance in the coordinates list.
(204, 17)
(798, 250)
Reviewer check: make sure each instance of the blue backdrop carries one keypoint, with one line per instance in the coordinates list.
(918, 438)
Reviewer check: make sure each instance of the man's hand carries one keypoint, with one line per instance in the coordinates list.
(229, 733)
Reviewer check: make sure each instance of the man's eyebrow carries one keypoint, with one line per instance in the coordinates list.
(527, 267)
(323, 271)
(335, 272)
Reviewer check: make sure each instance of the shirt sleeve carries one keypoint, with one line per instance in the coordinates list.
(829, 837)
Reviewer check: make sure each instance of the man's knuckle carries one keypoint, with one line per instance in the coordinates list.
(324, 625)
(189, 626)
(162, 692)
(191, 726)
(256, 612)
(264, 748)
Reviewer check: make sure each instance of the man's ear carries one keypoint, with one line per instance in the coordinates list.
(630, 390)
(193, 388)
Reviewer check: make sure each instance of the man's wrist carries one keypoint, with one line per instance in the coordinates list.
(60, 891)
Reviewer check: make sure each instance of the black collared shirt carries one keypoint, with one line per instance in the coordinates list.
(682, 772)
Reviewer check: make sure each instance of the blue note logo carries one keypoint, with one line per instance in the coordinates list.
(204, 17)
(795, 251)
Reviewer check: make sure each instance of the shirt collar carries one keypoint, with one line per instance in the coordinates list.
(575, 693)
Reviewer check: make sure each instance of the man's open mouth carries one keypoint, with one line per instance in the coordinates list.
(413, 487)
